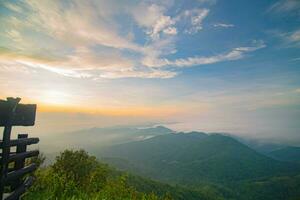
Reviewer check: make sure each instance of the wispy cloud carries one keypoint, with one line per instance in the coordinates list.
(196, 17)
(294, 37)
(207, 1)
(152, 17)
(86, 39)
(223, 25)
(288, 6)
(295, 59)
(151, 73)
(289, 39)
(235, 54)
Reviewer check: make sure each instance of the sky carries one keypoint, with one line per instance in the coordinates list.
(211, 65)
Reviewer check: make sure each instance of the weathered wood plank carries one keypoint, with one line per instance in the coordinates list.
(19, 159)
(25, 141)
(19, 173)
(23, 155)
(24, 114)
(21, 189)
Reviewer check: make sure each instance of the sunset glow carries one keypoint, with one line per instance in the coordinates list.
(194, 64)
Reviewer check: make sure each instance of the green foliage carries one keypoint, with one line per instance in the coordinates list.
(205, 192)
(214, 166)
(275, 188)
(76, 166)
(39, 160)
(76, 175)
(195, 158)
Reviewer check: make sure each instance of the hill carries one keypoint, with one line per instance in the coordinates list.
(93, 139)
(76, 175)
(194, 158)
(291, 154)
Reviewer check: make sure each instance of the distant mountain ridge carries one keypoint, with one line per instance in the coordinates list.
(193, 158)
(210, 166)
(94, 138)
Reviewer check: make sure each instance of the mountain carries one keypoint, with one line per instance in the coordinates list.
(194, 158)
(289, 153)
(261, 146)
(94, 139)
(192, 165)
(178, 192)
(77, 175)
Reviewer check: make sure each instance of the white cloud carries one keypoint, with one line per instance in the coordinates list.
(294, 36)
(222, 25)
(234, 54)
(285, 6)
(170, 31)
(13, 7)
(163, 24)
(290, 39)
(147, 15)
(76, 26)
(139, 74)
(152, 18)
(207, 1)
(195, 18)
(85, 39)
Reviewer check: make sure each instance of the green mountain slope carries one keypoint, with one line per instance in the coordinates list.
(194, 158)
(291, 154)
(94, 139)
(76, 175)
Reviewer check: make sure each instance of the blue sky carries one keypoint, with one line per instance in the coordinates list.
(212, 65)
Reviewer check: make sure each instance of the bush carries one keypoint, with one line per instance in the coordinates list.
(76, 175)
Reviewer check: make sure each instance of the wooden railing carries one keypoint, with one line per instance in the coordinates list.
(15, 175)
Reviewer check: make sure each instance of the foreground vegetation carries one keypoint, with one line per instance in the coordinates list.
(76, 175)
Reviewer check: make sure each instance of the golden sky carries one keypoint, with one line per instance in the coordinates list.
(194, 65)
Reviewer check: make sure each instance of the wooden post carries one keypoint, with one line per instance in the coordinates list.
(19, 164)
(5, 157)
(6, 139)
(14, 114)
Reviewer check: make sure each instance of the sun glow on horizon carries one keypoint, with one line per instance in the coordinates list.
(195, 63)
(55, 97)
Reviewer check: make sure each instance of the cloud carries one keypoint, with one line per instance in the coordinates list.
(70, 68)
(194, 19)
(84, 64)
(13, 7)
(297, 90)
(170, 31)
(153, 73)
(152, 17)
(90, 39)
(234, 54)
(76, 25)
(222, 25)
(294, 36)
(207, 1)
(295, 59)
(290, 39)
(164, 24)
(286, 6)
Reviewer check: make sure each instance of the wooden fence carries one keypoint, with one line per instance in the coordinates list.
(15, 174)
